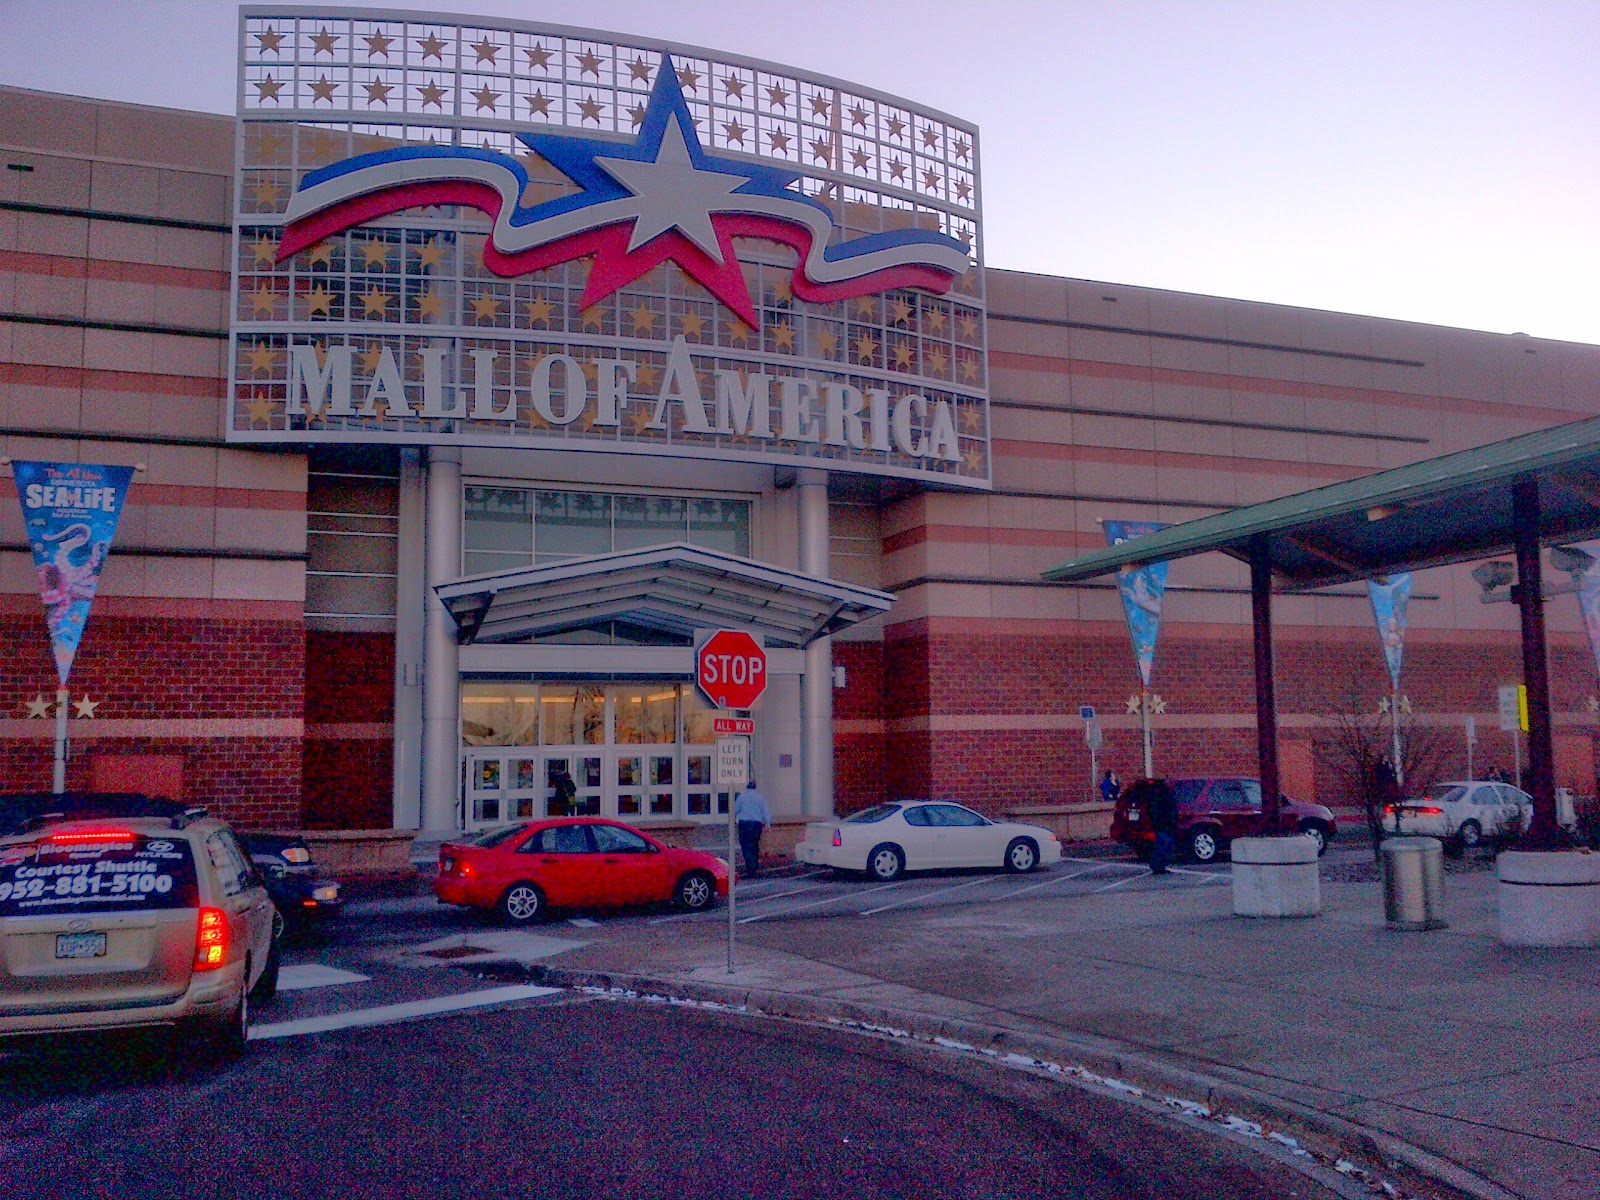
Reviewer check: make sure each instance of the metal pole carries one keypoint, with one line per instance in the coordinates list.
(1470, 740)
(1266, 697)
(60, 782)
(1094, 771)
(1544, 833)
(1144, 724)
(1516, 754)
(732, 876)
(1394, 721)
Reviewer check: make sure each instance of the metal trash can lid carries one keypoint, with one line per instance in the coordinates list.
(1411, 845)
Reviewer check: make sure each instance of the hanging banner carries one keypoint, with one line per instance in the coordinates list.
(70, 511)
(1141, 589)
(1389, 602)
(1589, 606)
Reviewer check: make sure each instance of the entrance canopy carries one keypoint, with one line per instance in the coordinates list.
(1444, 510)
(674, 589)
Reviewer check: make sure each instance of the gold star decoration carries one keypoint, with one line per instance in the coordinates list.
(643, 320)
(589, 63)
(900, 311)
(972, 460)
(639, 418)
(432, 46)
(860, 159)
(269, 144)
(594, 318)
(865, 348)
(378, 93)
(375, 253)
(895, 127)
(969, 369)
(323, 41)
(734, 86)
(539, 310)
(777, 97)
(260, 357)
(539, 103)
(321, 254)
(430, 253)
(934, 318)
(268, 88)
(971, 418)
(259, 410)
(486, 97)
(589, 110)
(38, 707)
(969, 326)
(485, 51)
(638, 71)
(371, 357)
(963, 148)
(323, 89)
(859, 116)
(375, 303)
(827, 343)
(930, 180)
(963, 190)
(821, 149)
(738, 332)
(538, 56)
(485, 308)
(735, 131)
(780, 142)
(264, 250)
(819, 107)
(266, 193)
(430, 306)
(263, 300)
(783, 336)
(432, 94)
(319, 300)
(783, 288)
(864, 307)
(902, 356)
(86, 707)
(691, 324)
(930, 139)
(897, 170)
(637, 114)
(270, 39)
(937, 362)
(378, 43)
(689, 79)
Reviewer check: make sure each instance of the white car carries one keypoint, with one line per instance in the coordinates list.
(1466, 810)
(887, 840)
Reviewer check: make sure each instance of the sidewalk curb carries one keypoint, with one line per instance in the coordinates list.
(1331, 1136)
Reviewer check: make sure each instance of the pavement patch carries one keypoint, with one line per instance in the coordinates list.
(305, 976)
(392, 1014)
(486, 946)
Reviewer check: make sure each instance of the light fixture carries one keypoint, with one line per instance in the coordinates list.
(1573, 561)
(1491, 575)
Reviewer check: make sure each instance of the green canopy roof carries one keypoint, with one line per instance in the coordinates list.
(1442, 510)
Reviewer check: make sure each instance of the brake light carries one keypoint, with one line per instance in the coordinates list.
(838, 838)
(93, 835)
(1389, 809)
(211, 940)
(1428, 810)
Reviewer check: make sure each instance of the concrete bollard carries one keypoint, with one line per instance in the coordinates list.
(1413, 882)
(1549, 897)
(1276, 877)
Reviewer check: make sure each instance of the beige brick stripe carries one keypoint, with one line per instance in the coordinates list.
(96, 729)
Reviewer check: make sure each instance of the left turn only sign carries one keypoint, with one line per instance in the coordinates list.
(731, 668)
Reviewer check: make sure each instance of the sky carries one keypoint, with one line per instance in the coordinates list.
(1426, 160)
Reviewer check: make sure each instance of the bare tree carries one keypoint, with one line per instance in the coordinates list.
(1355, 743)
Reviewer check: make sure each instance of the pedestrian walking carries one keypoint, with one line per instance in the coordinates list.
(1162, 807)
(751, 814)
(1110, 786)
(562, 803)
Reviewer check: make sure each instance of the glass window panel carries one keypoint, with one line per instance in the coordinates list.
(591, 721)
(558, 711)
(720, 525)
(343, 596)
(646, 714)
(351, 552)
(499, 519)
(628, 804)
(488, 775)
(500, 714)
(628, 772)
(648, 521)
(697, 717)
(478, 562)
(660, 804)
(699, 804)
(527, 773)
(698, 767)
(571, 523)
(589, 773)
(660, 769)
(609, 839)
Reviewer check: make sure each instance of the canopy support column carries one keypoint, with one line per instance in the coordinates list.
(1266, 698)
(441, 690)
(1539, 780)
(816, 685)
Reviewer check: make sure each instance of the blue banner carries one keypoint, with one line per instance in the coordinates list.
(1389, 602)
(1141, 588)
(70, 511)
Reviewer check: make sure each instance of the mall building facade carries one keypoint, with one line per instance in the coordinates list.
(444, 465)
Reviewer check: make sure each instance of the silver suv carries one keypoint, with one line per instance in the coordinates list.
(121, 922)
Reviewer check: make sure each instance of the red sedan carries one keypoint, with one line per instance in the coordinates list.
(573, 862)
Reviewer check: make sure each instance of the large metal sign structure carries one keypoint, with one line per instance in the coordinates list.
(486, 232)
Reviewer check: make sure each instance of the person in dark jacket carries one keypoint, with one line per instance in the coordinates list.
(1110, 786)
(1162, 807)
(563, 801)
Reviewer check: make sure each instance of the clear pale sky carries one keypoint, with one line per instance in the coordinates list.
(1430, 160)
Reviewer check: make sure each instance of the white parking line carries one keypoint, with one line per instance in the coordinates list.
(1033, 887)
(389, 1014)
(1118, 883)
(925, 895)
(1209, 876)
(743, 899)
(819, 903)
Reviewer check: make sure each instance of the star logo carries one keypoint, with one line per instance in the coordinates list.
(660, 198)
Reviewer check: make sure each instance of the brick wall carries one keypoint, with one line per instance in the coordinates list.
(349, 748)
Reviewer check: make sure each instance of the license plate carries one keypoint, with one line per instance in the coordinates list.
(449, 864)
(80, 945)
(1133, 814)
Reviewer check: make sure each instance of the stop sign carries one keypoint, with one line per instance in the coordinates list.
(731, 668)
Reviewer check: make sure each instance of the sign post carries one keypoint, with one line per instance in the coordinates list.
(733, 769)
(1513, 699)
(1093, 738)
(1472, 741)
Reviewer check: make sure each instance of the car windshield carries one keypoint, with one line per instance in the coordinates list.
(493, 837)
(1445, 793)
(76, 871)
(870, 816)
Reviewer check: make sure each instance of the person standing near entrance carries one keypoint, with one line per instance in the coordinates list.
(1110, 787)
(1162, 807)
(751, 815)
(565, 793)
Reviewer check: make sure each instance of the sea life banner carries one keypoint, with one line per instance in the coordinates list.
(1389, 601)
(1589, 604)
(1142, 589)
(70, 511)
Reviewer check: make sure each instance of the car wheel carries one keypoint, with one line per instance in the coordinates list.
(886, 862)
(267, 986)
(1470, 834)
(1203, 845)
(1022, 856)
(1317, 834)
(694, 892)
(522, 904)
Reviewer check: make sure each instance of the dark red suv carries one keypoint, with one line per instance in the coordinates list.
(1212, 811)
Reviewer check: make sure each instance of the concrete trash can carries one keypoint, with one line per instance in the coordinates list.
(1413, 882)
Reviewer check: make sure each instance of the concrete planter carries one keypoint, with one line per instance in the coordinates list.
(1276, 877)
(1549, 898)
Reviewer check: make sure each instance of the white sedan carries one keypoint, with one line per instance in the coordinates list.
(1467, 810)
(887, 840)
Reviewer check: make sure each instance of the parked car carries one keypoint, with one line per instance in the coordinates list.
(521, 871)
(1215, 809)
(301, 892)
(135, 921)
(887, 840)
(1465, 810)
